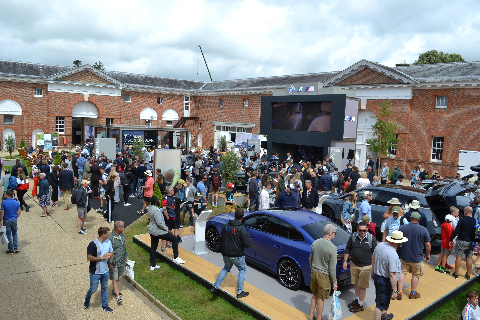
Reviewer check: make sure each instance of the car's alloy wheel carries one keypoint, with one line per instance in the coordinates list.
(212, 238)
(289, 274)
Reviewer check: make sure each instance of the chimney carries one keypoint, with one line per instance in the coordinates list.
(404, 64)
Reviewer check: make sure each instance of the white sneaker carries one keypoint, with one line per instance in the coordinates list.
(178, 260)
(153, 268)
(127, 204)
(132, 196)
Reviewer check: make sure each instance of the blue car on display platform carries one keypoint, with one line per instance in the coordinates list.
(281, 242)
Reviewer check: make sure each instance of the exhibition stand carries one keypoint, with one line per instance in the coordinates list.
(200, 227)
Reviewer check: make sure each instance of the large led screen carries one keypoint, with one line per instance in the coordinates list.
(302, 116)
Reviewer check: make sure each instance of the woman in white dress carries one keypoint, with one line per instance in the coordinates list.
(265, 197)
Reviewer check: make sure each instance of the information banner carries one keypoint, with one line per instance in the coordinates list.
(40, 140)
(48, 141)
(54, 139)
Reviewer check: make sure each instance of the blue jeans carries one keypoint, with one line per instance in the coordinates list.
(134, 187)
(239, 262)
(253, 203)
(11, 226)
(80, 176)
(103, 278)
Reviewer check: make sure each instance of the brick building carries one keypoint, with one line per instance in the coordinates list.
(435, 105)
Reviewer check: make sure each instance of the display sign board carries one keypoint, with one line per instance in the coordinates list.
(336, 156)
(169, 161)
(253, 145)
(107, 145)
(302, 88)
(40, 140)
(48, 141)
(54, 139)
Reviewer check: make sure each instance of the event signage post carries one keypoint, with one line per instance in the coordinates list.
(200, 226)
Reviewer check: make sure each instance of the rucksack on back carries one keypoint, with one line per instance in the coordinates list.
(216, 182)
(74, 196)
(12, 183)
(477, 230)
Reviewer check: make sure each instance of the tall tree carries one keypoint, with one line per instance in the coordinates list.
(434, 56)
(384, 129)
(99, 65)
(77, 63)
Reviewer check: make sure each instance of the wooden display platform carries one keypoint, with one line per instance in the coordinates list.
(433, 285)
(269, 306)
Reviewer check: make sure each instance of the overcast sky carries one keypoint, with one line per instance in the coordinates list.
(240, 39)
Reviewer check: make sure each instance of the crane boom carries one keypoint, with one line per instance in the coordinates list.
(205, 62)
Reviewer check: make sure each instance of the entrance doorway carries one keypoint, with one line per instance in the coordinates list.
(77, 126)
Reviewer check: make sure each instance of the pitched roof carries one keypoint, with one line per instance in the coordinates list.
(362, 64)
(443, 72)
(100, 73)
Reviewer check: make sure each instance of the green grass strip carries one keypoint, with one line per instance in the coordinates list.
(184, 296)
(453, 308)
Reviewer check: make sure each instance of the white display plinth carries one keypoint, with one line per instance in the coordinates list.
(200, 225)
(320, 202)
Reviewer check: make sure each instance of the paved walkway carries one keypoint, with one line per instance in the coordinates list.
(49, 278)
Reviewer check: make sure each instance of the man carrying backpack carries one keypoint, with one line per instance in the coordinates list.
(216, 182)
(81, 198)
(360, 249)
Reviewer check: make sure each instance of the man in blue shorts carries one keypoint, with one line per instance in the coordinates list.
(385, 266)
(8, 216)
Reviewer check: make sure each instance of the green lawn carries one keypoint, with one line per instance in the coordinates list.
(452, 309)
(24, 162)
(187, 298)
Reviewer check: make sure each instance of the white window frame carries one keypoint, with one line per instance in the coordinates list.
(159, 100)
(186, 103)
(148, 122)
(38, 92)
(127, 98)
(437, 149)
(110, 121)
(10, 116)
(222, 103)
(200, 103)
(245, 103)
(200, 126)
(60, 125)
(393, 152)
(169, 123)
(441, 102)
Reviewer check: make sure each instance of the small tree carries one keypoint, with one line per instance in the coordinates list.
(77, 63)
(229, 167)
(99, 65)
(157, 193)
(222, 143)
(10, 144)
(58, 159)
(22, 143)
(137, 145)
(384, 132)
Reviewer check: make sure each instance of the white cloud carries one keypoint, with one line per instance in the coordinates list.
(240, 39)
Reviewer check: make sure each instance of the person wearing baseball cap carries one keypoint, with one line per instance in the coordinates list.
(285, 198)
(147, 190)
(411, 255)
(297, 188)
(365, 208)
(394, 222)
(229, 200)
(385, 266)
(445, 246)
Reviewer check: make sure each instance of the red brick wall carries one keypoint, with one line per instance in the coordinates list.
(85, 76)
(367, 76)
(421, 121)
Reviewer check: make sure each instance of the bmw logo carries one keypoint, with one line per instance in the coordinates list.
(291, 90)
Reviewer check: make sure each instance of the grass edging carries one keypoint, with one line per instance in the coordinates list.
(443, 300)
(204, 282)
(152, 299)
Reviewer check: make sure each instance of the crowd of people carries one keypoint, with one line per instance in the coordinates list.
(405, 240)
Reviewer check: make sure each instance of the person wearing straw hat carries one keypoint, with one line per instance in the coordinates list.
(385, 266)
(394, 222)
(415, 207)
(411, 255)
